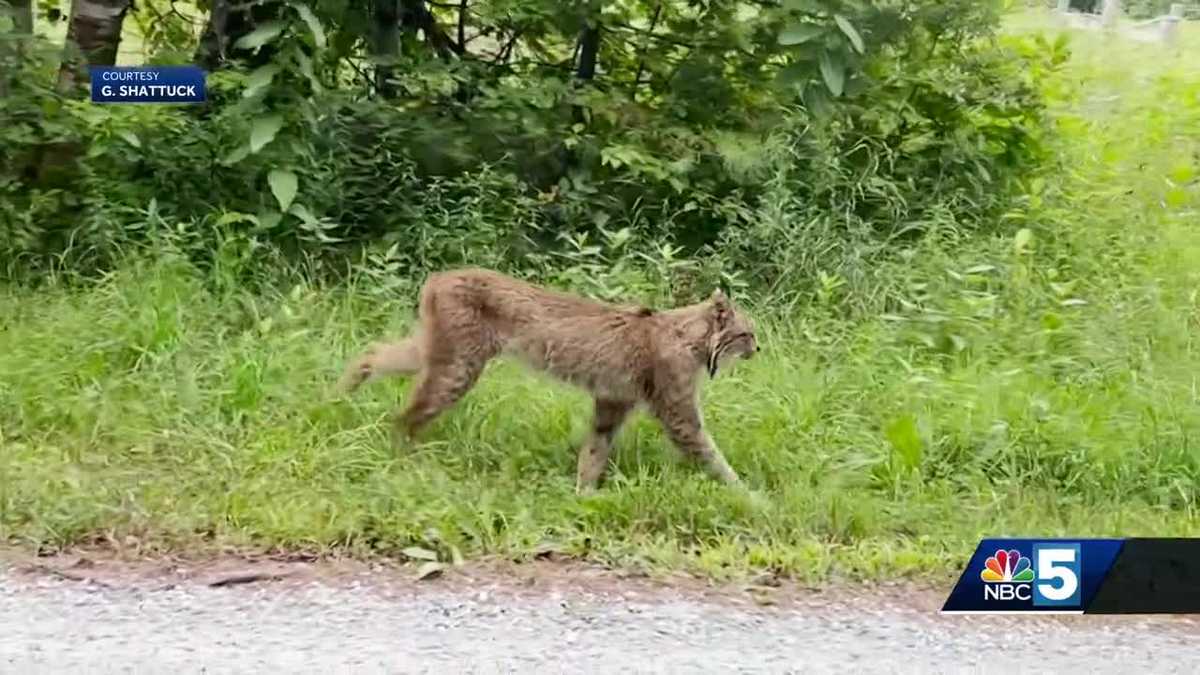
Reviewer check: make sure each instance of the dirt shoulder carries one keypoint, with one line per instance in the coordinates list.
(537, 578)
(498, 579)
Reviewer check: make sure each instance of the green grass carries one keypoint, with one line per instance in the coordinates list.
(1043, 386)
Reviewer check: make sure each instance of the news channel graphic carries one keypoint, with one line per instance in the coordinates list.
(147, 84)
(1080, 576)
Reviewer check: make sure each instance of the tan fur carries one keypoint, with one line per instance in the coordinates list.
(625, 356)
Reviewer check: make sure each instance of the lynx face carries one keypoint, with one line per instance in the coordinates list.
(734, 337)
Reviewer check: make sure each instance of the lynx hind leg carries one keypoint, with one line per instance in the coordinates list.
(607, 418)
(441, 386)
(684, 426)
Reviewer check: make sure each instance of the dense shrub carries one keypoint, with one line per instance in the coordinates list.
(873, 122)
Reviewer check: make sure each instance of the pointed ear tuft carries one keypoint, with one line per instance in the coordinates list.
(720, 305)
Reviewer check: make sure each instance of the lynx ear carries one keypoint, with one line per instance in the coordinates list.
(721, 310)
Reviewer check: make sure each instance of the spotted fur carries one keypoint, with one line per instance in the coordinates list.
(624, 356)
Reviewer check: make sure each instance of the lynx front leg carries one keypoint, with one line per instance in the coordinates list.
(593, 455)
(684, 426)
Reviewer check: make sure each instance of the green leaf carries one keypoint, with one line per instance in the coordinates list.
(979, 269)
(260, 78)
(283, 185)
(238, 154)
(1176, 197)
(418, 553)
(1051, 321)
(130, 138)
(260, 36)
(314, 25)
(263, 131)
(794, 73)
(301, 211)
(231, 217)
(817, 101)
(833, 71)
(1023, 239)
(850, 31)
(907, 447)
(799, 33)
(855, 86)
(917, 143)
(306, 69)
(430, 570)
(1182, 173)
(267, 220)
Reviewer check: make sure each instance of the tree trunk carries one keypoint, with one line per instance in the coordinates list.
(22, 16)
(589, 50)
(585, 69)
(214, 41)
(228, 21)
(385, 44)
(93, 36)
(415, 15)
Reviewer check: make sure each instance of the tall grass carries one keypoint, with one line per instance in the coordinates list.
(1042, 382)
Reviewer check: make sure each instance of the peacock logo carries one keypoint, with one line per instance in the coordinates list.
(1006, 567)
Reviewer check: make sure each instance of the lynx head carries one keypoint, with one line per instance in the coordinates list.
(732, 335)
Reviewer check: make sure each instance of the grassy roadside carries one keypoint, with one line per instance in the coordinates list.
(1028, 385)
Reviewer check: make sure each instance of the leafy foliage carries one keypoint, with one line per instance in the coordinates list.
(487, 133)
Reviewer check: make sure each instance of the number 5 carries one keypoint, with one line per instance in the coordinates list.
(1057, 573)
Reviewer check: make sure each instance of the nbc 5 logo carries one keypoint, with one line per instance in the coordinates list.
(1050, 579)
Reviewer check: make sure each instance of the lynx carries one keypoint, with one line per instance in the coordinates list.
(625, 356)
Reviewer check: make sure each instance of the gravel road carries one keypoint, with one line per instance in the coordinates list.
(49, 624)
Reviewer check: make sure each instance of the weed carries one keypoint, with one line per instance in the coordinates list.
(1035, 380)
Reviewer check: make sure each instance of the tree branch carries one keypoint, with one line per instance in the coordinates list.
(637, 78)
(506, 51)
(462, 26)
